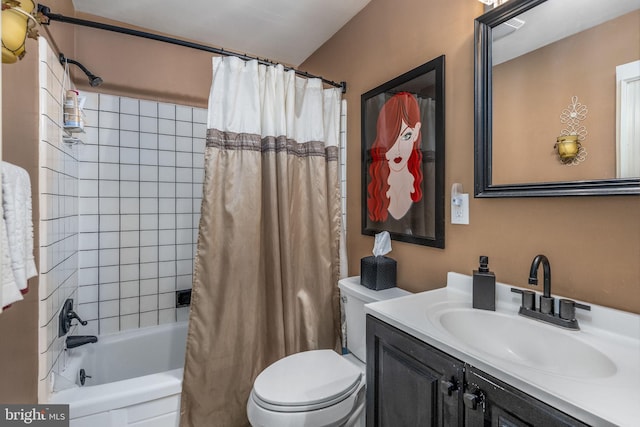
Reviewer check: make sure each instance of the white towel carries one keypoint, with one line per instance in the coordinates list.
(9, 292)
(16, 202)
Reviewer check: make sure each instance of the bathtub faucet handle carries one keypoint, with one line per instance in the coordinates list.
(73, 315)
(66, 316)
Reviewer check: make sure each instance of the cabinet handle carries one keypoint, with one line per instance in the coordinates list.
(471, 400)
(447, 387)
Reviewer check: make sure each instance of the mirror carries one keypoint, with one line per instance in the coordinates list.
(545, 76)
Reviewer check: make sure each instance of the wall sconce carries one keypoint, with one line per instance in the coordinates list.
(18, 23)
(569, 144)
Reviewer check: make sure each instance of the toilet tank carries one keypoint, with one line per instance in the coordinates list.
(354, 296)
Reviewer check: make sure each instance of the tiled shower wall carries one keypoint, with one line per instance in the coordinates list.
(58, 225)
(141, 174)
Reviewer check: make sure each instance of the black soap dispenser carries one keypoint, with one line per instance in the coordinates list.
(484, 286)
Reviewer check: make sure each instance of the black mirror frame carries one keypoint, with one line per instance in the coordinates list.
(483, 124)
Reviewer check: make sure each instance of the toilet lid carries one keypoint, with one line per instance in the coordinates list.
(307, 379)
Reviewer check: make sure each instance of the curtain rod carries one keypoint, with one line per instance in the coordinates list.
(46, 11)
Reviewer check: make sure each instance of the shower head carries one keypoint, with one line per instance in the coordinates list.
(93, 79)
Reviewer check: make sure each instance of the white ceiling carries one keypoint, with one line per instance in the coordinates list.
(286, 31)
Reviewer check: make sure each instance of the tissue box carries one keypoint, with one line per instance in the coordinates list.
(378, 272)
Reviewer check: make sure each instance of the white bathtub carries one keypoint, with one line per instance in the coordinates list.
(136, 379)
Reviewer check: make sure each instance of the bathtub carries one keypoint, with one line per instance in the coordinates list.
(136, 379)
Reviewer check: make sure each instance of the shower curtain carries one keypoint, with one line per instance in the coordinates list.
(268, 257)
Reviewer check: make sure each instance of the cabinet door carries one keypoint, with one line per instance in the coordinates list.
(410, 383)
(491, 402)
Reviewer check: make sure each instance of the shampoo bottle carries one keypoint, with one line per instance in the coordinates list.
(484, 286)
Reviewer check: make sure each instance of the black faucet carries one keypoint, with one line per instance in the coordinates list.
(546, 301)
(74, 341)
(546, 312)
(546, 271)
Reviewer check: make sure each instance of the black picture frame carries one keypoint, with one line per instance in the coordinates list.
(423, 222)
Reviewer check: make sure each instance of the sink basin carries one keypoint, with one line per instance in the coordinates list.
(525, 342)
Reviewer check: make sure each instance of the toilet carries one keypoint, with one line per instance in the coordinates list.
(320, 388)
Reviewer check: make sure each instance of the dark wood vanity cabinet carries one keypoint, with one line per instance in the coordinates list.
(408, 382)
(411, 384)
(491, 402)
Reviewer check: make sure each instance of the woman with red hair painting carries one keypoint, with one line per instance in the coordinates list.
(396, 166)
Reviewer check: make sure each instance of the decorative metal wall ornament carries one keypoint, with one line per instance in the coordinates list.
(569, 144)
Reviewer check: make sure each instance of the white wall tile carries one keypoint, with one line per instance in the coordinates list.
(166, 142)
(109, 308)
(148, 157)
(108, 205)
(129, 305)
(129, 206)
(149, 238)
(129, 156)
(129, 289)
(87, 294)
(184, 113)
(88, 170)
(148, 303)
(129, 138)
(184, 128)
(91, 100)
(108, 120)
(167, 111)
(167, 316)
(148, 125)
(129, 222)
(109, 103)
(184, 144)
(129, 106)
(109, 257)
(200, 115)
(109, 240)
(167, 237)
(129, 172)
(87, 258)
(149, 286)
(109, 325)
(129, 272)
(108, 154)
(148, 108)
(109, 136)
(129, 122)
(130, 321)
(149, 254)
(149, 319)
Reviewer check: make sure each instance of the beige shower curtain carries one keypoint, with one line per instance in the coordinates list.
(267, 263)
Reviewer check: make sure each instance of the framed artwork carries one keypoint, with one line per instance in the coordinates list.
(403, 157)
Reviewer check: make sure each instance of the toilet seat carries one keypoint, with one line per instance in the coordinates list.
(306, 381)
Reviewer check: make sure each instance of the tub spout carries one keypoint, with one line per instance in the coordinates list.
(78, 340)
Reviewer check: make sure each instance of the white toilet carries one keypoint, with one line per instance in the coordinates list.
(320, 388)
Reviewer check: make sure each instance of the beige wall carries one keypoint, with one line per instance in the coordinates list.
(19, 324)
(593, 242)
(530, 93)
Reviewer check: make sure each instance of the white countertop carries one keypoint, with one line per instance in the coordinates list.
(611, 398)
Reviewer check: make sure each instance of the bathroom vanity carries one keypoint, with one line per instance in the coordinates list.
(434, 360)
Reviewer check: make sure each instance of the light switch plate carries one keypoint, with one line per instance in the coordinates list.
(460, 209)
